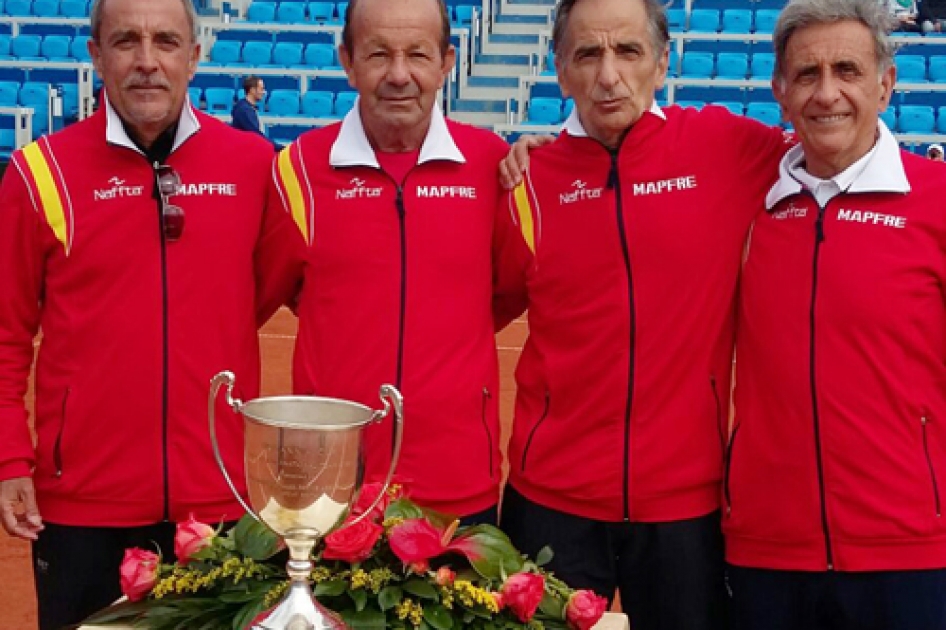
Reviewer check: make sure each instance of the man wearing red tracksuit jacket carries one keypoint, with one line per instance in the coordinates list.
(628, 261)
(399, 212)
(834, 489)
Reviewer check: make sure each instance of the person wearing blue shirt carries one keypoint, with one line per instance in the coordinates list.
(245, 114)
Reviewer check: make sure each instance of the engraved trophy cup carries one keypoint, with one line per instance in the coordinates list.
(303, 472)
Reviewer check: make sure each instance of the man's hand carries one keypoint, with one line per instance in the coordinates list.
(512, 167)
(22, 522)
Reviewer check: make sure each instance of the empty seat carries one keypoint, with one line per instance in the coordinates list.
(284, 102)
(225, 51)
(544, 110)
(318, 103)
(26, 46)
(673, 64)
(465, 14)
(57, 47)
(768, 113)
(889, 116)
(290, 13)
(74, 8)
(937, 69)
(732, 65)
(704, 21)
(737, 20)
(697, 65)
(34, 94)
(18, 8)
(319, 55)
(340, 9)
(70, 100)
(916, 119)
(941, 120)
(762, 66)
(765, 20)
(910, 68)
(219, 99)
(5, 44)
(9, 93)
(7, 141)
(321, 12)
(80, 48)
(344, 101)
(676, 19)
(46, 8)
(261, 12)
(287, 53)
(195, 94)
(257, 53)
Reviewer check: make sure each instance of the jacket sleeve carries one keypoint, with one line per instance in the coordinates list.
(21, 276)
(512, 258)
(279, 257)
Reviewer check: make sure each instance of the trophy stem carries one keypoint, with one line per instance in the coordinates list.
(298, 610)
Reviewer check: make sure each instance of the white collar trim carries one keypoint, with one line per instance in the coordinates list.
(351, 147)
(115, 133)
(574, 127)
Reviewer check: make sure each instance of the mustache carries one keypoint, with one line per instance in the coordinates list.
(389, 91)
(138, 81)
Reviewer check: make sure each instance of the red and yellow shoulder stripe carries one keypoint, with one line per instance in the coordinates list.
(525, 212)
(290, 176)
(48, 191)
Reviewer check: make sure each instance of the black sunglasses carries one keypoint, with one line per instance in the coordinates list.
(172, 216)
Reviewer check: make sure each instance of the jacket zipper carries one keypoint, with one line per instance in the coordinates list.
(402, 316)
(929, 462)
(819, 458)
(489, 434)
(57, 447)
(719, 415)
(545, 414)
(729, 452)
(164, 349)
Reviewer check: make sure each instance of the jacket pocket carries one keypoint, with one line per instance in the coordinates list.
(57, 445)
(538, 423)
(729, 454)
(924, 421)
(484, 417)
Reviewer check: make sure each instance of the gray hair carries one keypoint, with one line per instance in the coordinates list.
(98, 14)
(799, 14)
(656, 24)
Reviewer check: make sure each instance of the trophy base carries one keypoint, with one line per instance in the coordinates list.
(299, 611)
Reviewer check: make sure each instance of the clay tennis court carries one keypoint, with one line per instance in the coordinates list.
(17, 601)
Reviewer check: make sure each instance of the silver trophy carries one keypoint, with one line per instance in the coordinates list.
(304, 470)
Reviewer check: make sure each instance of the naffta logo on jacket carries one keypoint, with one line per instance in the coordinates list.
(116, 189)
(579, 192)
(357, 190)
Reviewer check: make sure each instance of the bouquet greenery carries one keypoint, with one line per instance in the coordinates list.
(401, 567)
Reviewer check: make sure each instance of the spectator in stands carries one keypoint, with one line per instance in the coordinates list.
(245, 114)
(138, 310)
(628, 260)
(935, 152)
(834, 496)
(905, 12)
(400, 209)
(932, 15)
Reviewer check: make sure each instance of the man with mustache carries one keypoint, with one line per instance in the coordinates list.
(400, 210)
(146, 265)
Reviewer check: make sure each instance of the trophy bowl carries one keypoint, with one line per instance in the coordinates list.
(304, 470)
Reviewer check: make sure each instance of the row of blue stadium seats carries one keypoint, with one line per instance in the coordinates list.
(280, 54)
(45, 8)
(42, 48)
(313, 103)
(739, 21)
(296, 12)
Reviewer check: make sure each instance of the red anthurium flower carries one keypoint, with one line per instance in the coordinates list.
(416, 540)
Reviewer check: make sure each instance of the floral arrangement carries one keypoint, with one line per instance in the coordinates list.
(401, 567)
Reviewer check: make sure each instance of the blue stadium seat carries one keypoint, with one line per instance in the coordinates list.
(544, 110)
(225, 51)
(9, 93)
(287, 54)
(673, 65)
(937, 69)
(80, 48)
(916, 119)
(70, 100)
(195, 94)
(732, 65)
(258, 53)
(737, 21)
(765, 20)
(767, 113)
(290, 13)
(284, 102)
(46, 8)
(568, 106)
(340, 9)
(319, 55)
(34, 94)
(57, 47)
(464, 14)
(318, 104)
(676, 18)
(321, 12)
(219, 99)
(941, 120)
(762, 66)
(26, 46)
(18, 8)
(261, 12)
(910, 68)
(5, 45)
(704, 21)
(344, 101)
(74, 8)
(7, 142)
(697, 65)
(889, 116)
(735, 107)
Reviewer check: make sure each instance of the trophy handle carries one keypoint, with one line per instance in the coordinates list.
(221, 379)
(390, 397)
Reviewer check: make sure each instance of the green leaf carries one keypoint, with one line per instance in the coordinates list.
(390, 596)
(360, 597)
(544, 556)
(420, 588)
(438, 617)
(254, 540)
(552, 606)
(403, 508)
(247, 614)
(489, 551)
(368, 619)
(119, 612)
(331, 588)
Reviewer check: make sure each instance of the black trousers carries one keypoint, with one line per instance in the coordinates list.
(670, 576)
(796, 600)
(76, 568)
(489, 516)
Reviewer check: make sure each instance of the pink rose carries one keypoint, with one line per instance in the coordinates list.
(190, 538)
(584, 609)
(522, 593)
(139, 573)
(352, 543)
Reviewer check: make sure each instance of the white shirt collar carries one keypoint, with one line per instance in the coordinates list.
(880, 170)
(351, 147)
(115, 133)
(574, 127)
